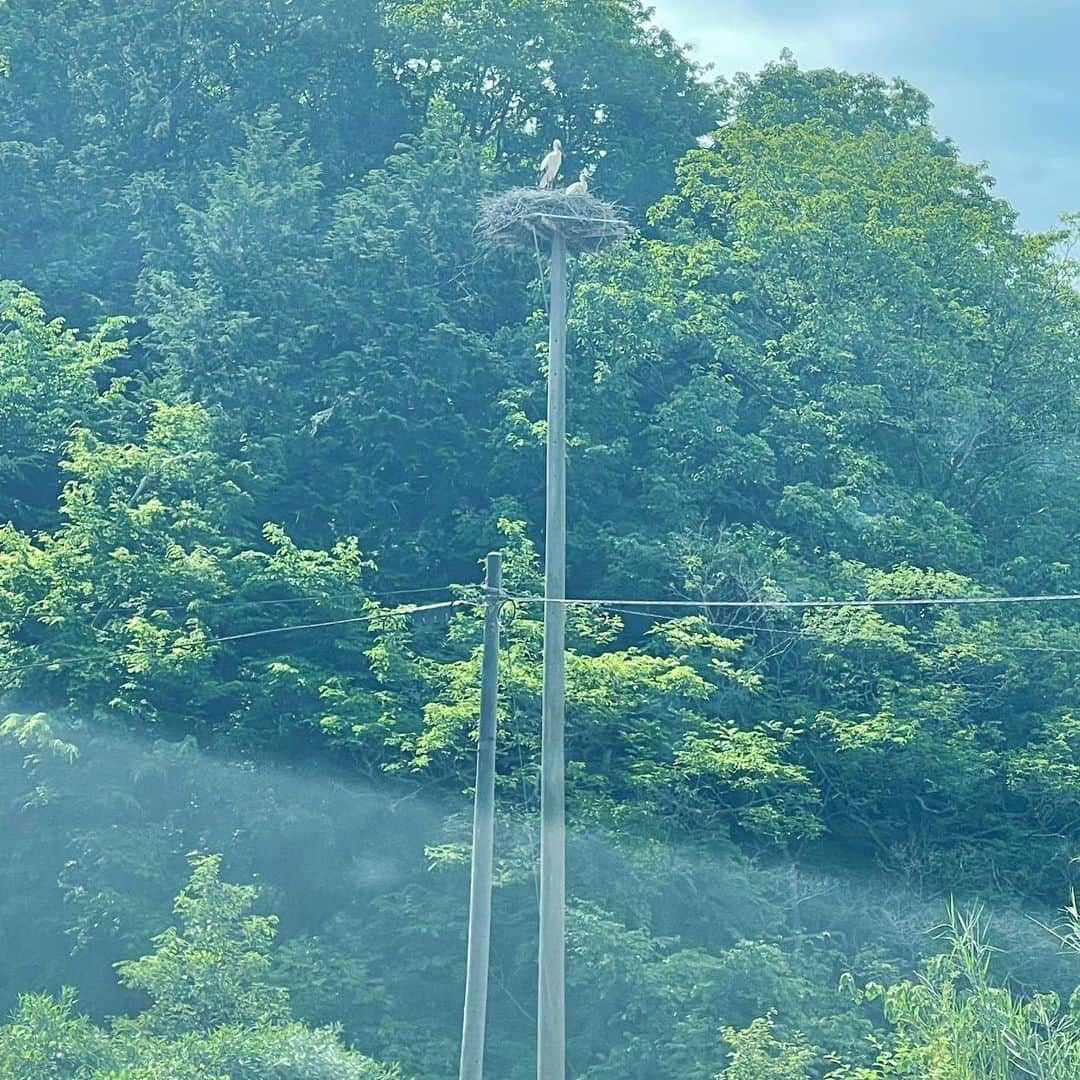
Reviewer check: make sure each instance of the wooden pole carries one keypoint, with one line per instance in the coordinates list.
(551, 1000)
(483, 837)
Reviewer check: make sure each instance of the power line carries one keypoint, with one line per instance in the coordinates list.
(112, 654)
(412, 610)
(933, 601)
(309, 598)
(809, 635)
(615, 606)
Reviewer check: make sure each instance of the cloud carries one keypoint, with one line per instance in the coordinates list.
(745, 37)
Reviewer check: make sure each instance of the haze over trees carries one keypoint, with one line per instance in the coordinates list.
(256, 370)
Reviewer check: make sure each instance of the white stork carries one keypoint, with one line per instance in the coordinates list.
(579, 186)
(550, 166)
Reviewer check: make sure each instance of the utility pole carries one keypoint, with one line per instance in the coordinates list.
(551, 1000)
(577, 220)
(483, 836)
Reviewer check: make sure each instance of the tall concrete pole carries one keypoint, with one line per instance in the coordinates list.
(483, 837)
(551, 1000)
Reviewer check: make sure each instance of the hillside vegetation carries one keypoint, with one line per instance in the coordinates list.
(257, 371)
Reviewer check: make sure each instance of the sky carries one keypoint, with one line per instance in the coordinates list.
(1003, 75)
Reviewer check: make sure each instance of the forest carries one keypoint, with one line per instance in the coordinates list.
(264, 389)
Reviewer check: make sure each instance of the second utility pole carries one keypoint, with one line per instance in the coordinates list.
(551, 1000)
(483, 836)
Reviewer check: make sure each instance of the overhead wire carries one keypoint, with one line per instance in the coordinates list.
(931, 601)
(615, 605)
(195, 642)
(804, 633)
(308, 598)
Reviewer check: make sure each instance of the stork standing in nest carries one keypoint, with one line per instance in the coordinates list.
(550, 166)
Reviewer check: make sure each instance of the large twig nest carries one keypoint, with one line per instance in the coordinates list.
(514, 218)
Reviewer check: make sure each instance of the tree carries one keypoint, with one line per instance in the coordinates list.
(616, 89)
(782, 93)
(113, 111)
(208, 972)
(49, 380)
(211, 1016)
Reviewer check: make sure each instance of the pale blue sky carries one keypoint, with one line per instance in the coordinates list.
(1002, 74)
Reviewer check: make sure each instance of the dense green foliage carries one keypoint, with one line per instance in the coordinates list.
(210, 1015)
(257, 371)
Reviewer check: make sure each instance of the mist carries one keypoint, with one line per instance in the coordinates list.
(375, 870)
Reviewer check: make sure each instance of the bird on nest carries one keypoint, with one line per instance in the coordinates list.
(580, 186)
(550, 166)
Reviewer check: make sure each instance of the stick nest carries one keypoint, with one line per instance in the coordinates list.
(515, 217)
